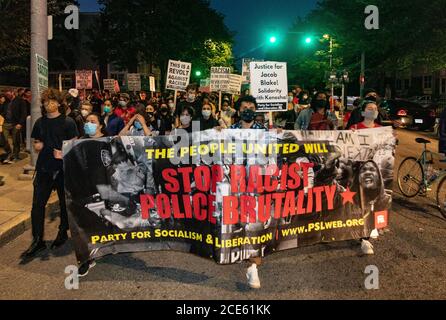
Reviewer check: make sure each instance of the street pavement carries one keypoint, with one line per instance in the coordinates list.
(411, 260)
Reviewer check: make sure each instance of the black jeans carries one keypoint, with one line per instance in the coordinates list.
(43, 185)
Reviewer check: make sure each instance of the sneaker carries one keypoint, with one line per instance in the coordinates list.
(82, 271)
(367, 247)
(253, 277)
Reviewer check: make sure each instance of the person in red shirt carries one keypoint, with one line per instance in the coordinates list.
(370, 114)
(125, 110)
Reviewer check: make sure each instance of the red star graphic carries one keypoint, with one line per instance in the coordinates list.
(348, 196)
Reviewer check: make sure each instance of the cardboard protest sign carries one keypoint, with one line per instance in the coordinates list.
(84, 79)
(269, 85)
(235, 84)
(220, 78)
(109, 84)
(300, 188)
(152, 84)
(178, 75)
(134, 82)
(205, 85)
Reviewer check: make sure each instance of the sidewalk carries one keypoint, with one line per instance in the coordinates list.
(16, 201)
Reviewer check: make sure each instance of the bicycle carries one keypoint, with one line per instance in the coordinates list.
(416, 176)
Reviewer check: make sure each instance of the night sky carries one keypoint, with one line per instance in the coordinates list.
(252, 20)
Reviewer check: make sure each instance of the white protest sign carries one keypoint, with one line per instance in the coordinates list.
(42, 73)
(152, 84)
(178, 75)
(246, 79)
(269, 85)
(134, 82)
(109, 84)
(235, 84)
(84, 79)
(220, 78)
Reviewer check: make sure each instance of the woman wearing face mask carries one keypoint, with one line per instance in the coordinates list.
(137, 126)
(125, 110)
(152, 123)
(164, 120)
(94, 127)
(207, 120)
(113, 123)
(186, 119)
(370, 114)
(86, 109)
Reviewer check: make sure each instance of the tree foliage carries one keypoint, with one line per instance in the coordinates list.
(154, 31)
(410, 32)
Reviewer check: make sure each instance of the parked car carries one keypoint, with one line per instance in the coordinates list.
(410, 114)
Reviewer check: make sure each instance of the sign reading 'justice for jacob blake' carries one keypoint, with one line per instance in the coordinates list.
(269, 85)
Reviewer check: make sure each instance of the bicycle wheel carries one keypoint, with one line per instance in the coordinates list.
(441, 196)
(410, 177)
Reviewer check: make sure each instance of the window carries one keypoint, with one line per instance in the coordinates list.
(427, 82)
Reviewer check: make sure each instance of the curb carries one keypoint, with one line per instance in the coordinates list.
(16, 226)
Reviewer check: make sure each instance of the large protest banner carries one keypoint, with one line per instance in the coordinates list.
(84, 79)
(269, 85)
(178, 75)
(227, 195)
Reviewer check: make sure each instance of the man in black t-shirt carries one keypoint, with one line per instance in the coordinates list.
(48, 133)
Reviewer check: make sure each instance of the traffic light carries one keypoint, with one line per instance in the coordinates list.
(308, 40)
(198, 73)
(273, 39)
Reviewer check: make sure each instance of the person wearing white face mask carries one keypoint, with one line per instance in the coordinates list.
(370, 114)
(186, 119)
(94, 127)
(207, 120)
(191, 101)
(86, 109)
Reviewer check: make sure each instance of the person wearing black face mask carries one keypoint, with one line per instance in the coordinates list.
(165, 121)
(248, 106)
(319, 102)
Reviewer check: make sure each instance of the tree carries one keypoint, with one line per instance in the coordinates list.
(15, 39)
(410, 33)
(151, 31)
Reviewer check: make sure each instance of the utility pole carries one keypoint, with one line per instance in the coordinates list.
(331, 70)
(39, 46)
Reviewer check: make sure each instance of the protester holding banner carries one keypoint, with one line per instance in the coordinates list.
(48, 133)
(369, 114)
(165, 121)
(207, 119)
(226, 114)
(186, 117)
(317, 117)
(94, 127)
(248, 107)
(138, 124)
